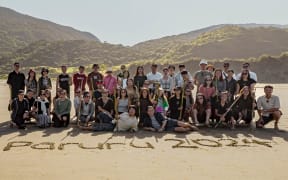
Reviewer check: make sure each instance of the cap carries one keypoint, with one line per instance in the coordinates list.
(109, 70)
(203, 61)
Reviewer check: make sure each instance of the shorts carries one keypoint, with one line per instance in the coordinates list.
(171, 125)
(267, 119)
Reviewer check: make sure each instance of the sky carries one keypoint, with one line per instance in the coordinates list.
(129, 22)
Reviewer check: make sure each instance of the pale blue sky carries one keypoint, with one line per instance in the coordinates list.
(131, 21)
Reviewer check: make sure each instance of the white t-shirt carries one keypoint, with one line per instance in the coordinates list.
(126, 122)
(264, 104)
(153, 77)
(253, 76)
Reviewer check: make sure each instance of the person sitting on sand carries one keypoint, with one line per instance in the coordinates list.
(86, 109)
(61, 115)
(201, 110)
(20, 110)
(157, 123)
(105, 116)
(268, 107)
(127, 121)
(105, 107)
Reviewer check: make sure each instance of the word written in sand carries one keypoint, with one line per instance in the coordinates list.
(178, 143)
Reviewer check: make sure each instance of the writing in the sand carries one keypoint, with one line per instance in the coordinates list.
(175, 143)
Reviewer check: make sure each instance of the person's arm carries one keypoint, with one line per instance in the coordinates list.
(92, 109)
(237, 88)
(163, 126)
(70, 81)
(57, 83)
(49, 83)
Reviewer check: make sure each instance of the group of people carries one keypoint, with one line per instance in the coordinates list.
(156, 101)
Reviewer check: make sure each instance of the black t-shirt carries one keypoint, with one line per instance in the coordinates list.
(109, 106)
(139, 81)
(17, 82)
(30, 101)
(243, 83)
(221, 109)
(64, 81)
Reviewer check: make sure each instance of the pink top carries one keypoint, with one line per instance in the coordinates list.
(110, 83)
(207, 91)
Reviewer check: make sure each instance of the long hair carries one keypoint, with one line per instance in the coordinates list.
(137, 69)
(34, 78)
(221, 77)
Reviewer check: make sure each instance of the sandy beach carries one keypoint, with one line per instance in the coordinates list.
(207, 154)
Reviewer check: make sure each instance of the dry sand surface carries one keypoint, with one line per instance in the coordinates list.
(125, 161)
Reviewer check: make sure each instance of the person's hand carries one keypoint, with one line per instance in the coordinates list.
(180, 108)
(64, 118)
(152, 129)
(59, 117)
(222, 118)
(161, 129)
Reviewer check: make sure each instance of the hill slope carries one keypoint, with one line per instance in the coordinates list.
(18, 30)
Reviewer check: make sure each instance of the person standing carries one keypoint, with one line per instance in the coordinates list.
(80, 80)
(93, 78)
(139, 77)
(31, 82)
(64, 81)
(246, 67)
(199, 76)
(44, 81)
(110, 82)
(16, 82)
(153, 76)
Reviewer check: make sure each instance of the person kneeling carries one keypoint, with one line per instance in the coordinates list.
(20, 108)
(41, 107)
(61, 116)
(268, 108)
(127, 121)
(223, 113)
(156, 122)
(86, 109)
